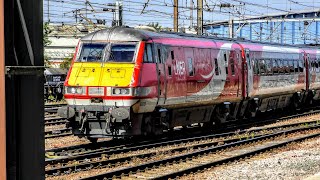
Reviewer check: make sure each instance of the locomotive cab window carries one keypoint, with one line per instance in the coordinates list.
(148, 58)
(122, 52)
(92, 52)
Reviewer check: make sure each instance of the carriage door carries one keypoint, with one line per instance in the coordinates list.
(161, 73)
(307, 69)
(249, 78)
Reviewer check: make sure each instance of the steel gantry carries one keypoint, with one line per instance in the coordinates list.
(299, 27)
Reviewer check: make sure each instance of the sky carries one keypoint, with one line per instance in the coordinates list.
(142, 12)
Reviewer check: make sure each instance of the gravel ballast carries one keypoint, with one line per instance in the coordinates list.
(296, 161)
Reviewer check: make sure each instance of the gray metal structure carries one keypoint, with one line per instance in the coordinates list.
(23, 31)
(299, 27)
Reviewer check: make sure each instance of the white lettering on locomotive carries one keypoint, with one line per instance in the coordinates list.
(180, 68)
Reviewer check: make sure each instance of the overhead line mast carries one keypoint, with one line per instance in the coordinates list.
(175, 16)
(199, 17)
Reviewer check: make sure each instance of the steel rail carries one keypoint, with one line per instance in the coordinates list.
(57, 133)
(54, 105)
(51, 110)
(55, 123)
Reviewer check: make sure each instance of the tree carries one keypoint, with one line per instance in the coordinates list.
(46, 32)
(156, 26)
(66, 63)
(46, 42)
(47, 63)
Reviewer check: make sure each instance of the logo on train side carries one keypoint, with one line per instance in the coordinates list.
(179, 68)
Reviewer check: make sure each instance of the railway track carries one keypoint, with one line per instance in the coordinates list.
(57, 133)
(54, 105)
(115, 157)
(52, 108)
(190, 162)
(179, 134)
(51, 121)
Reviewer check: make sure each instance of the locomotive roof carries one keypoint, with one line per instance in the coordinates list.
(125, 34)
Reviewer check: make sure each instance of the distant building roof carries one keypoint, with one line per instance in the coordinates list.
(55, 71)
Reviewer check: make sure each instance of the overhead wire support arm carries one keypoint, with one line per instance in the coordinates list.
(144, 7)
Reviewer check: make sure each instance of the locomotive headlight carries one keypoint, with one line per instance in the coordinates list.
(73, 90)
(116, 91)
(121, 91)
(79, 90)
(124, 91)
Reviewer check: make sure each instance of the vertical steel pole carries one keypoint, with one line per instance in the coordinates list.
(3, 168)
(231, 28)
(175, 16)
(317, 31)
(200, 16)
(191, 14)
(260, 35)
(23, 27)
(250, 31)
(271, 31)
(293, 32)
(282, 33)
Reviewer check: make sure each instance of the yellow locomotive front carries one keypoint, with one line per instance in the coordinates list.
(101, 85)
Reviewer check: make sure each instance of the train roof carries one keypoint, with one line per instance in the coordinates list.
(125, 33)
(131, 34)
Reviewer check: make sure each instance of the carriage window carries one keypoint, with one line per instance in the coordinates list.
(275, 68)
(300, 63)
(172, 55)
(92, 53)
(159, 55)
(122, 52)
(256, 67)
(269, 66)
(232, 66)
(216, 67)
(262, 67)
(248, 59)
(281, 66)
(190, 66)
(148, 54)
(226, 63)
(291, 66)
(286, 66)
(296, 69)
